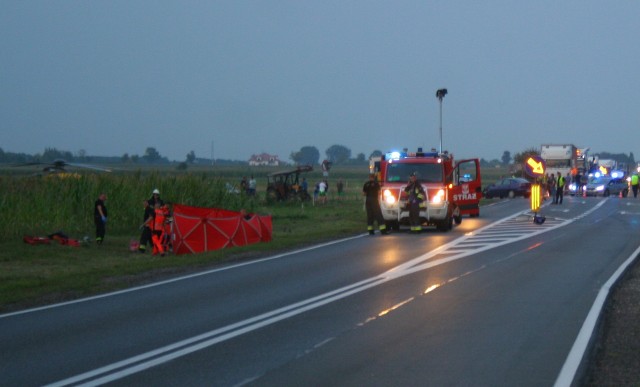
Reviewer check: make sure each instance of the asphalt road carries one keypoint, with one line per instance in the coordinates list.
(497, 301)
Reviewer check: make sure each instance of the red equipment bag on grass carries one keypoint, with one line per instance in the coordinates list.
(33, 240)
(197, 229)
(58, 236)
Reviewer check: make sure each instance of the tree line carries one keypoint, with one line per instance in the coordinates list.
(307, 155)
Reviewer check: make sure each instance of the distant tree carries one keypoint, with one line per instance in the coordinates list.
(338, 154)
(135, 159)
(520, 158)
(375, 153)
(191, 157)
(360, 158)
(51, 154)
(632, 159)
(506, 157)
(81, 155)
(151, 155)
(125, 158)
(306, 155)
(182, 166)
(2, 156)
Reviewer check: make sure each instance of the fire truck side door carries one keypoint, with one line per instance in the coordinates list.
(467, 187)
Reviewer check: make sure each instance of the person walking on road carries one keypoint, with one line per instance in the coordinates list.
(100, 217)
(634, 185)
(416, 197)
(371, 191)
(560, 188)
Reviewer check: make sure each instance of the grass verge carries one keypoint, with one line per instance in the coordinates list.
(43, 274)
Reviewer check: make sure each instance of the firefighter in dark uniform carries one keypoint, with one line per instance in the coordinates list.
(371, 191)
(416, 198)
(100, 217)
(148, 220)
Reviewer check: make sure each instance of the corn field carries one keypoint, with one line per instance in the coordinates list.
(65, 202)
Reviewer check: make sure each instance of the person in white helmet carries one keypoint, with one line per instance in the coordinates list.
(155, 198)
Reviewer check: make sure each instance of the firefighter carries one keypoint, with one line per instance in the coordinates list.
(158, 229)
(155, 198)
(416, 199)
(148, 220)
(371, 191)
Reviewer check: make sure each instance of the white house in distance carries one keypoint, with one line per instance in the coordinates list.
(264, 159)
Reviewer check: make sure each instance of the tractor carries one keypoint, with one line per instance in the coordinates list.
(286, 185)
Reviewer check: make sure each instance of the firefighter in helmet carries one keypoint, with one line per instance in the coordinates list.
(416, 199)
(371, 191)
(158, 231)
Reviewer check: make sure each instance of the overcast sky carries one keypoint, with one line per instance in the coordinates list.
(245, 77)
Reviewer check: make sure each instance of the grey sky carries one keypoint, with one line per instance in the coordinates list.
(115, 77)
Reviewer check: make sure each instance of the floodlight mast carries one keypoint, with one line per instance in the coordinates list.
(440, 93)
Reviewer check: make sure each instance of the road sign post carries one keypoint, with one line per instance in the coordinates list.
(535, 167)
(535, 197)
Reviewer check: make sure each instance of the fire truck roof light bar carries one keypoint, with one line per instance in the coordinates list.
(395, 155)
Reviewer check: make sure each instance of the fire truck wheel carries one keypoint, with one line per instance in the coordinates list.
(446, 224)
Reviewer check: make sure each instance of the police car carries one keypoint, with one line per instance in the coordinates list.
(606, 186)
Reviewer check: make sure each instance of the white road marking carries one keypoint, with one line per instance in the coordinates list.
(571, 364)
(450, 252)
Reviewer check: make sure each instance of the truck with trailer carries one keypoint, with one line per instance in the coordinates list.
(568, 160)
(453, 189)
(561, 158)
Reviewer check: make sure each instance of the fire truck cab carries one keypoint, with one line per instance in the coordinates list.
(452, 188)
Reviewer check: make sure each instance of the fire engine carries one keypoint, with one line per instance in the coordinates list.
(453, 188)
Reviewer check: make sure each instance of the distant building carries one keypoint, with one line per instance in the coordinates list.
(264, 159)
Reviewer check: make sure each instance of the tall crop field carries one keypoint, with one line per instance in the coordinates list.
(64, 202)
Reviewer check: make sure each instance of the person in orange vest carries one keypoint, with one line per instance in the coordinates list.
(166, 232)
(158, 229)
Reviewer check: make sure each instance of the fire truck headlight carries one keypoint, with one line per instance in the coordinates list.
(388, 197)
(439, 197)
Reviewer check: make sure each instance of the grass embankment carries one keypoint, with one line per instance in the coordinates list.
(39, 206)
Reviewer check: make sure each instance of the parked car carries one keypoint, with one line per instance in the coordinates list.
(605, 186)
(508, 188)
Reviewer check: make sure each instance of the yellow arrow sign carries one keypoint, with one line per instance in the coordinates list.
(536, 166)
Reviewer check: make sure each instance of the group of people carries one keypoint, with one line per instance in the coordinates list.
(155, 227)
(321, 190)
(556, 185)
(248, 186)
(416, 200)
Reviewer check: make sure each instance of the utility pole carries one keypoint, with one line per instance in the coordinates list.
(440, 93)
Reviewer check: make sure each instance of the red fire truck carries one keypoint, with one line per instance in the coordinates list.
(453, 188)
